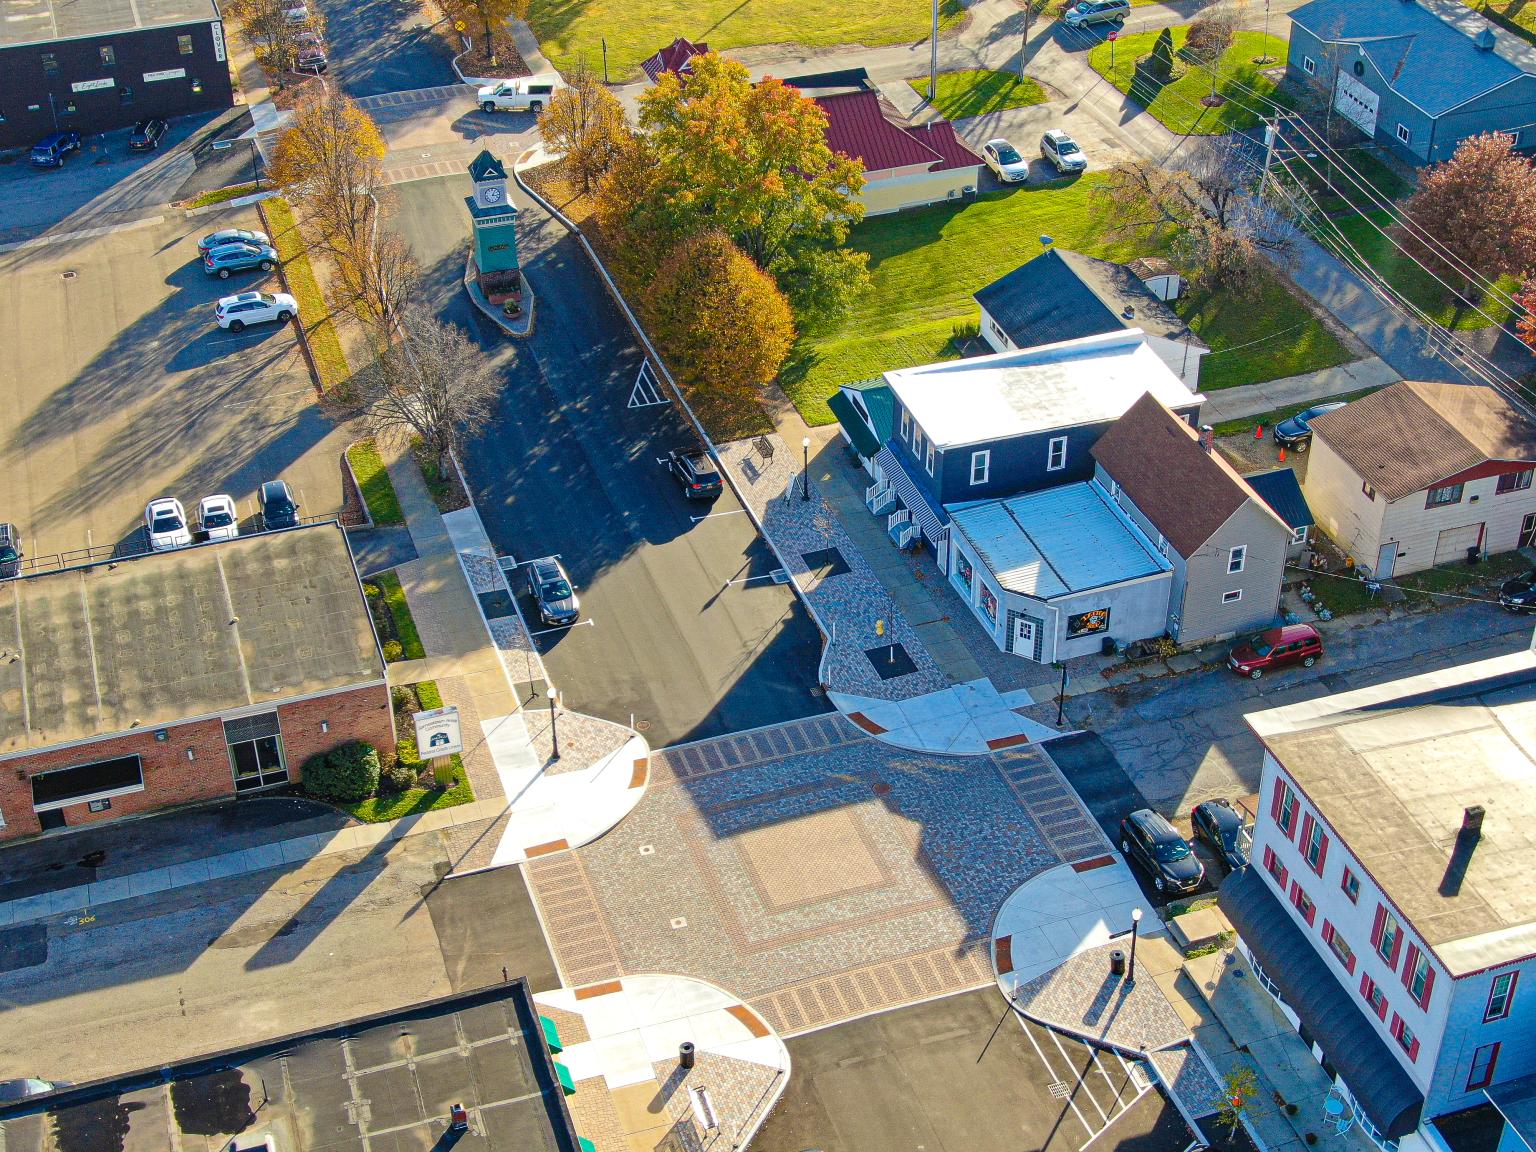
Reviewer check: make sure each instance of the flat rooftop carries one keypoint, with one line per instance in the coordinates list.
(1057, 542)
(1393, 768)
(154, 639)
(1088, 381)
(41, 21)
(384, 1083)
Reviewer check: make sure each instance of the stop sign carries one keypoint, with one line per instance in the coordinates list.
(1113, 36)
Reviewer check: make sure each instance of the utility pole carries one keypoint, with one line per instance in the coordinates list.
(933, 57)
(1029, 19)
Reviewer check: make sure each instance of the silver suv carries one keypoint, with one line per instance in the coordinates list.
(1096, 12)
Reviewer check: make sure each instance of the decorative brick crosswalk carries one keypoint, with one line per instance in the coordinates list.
(427, 171)
(417, 96)
(817, 734)
(573, 922)
(1044, 791)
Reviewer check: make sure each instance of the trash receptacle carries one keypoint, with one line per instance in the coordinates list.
(1117, 963)
(1473, 554)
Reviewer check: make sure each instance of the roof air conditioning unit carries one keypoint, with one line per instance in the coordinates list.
(969, 190)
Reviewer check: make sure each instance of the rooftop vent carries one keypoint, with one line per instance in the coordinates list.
(1471, 823)
(1130, 312)
(1485, 40)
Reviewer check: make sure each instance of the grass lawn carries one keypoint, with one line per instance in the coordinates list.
(1177, 104)
(1244, 427)
(392, 617)
(1412, 281)
(220, 195)
(633, 30)
(1515, 15)
(1337, 191)
(373, 481)
(979, 91)
(314, 312)
(925, 265)
(411, 802)
(1463, 579)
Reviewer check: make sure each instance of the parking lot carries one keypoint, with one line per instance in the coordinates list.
(135, 392)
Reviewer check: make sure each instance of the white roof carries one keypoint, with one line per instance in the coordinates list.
(1057, 541)
(1087, 381)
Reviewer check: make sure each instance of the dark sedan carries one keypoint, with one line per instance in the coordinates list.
(1218, 824)
(696, 472)
(551, 590)
(146, 134)
(1296, 433)
(1519, 595)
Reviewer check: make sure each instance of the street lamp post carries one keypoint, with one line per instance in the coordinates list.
(805, 471)
(1130, 975)
(554, 732)
(933, 57)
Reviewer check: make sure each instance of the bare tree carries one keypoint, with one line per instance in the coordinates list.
(1209, 37)
(379, 286)
(585, 124)
(272, 33)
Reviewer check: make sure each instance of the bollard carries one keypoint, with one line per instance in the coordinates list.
(685, 1054)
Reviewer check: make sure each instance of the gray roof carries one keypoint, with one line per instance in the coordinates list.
(1057, 542)
(1516, 1102)
(40, 21)
(1280, 489)
(1426, 48)
(1064, 295)
(169, 636)
(1330, 1013)
(1392, 769)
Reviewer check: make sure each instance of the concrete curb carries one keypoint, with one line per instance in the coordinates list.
(237, 202)
(493, 313)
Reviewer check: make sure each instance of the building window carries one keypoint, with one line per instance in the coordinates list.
(1309, 65)
(184, 45)
(964, 573)
(1232, 597)
(1439, 497)
(1351, 885)
(1370, 493)
(108, 56)
(1283, 808)
(1299, 536)
(1236, 558)
(928, 458)
(1404, 135)
(1514, 482)
(989, 603)
(981, 466)
(906, 424)
(1500, 996)
(255, 751)
(1314, 844)
(1303, 903)
(1418, 976)
(1483, 1062)
(1405, 1037)
(1374, 996)
(1387, 936)
(84, 782)
(1340, 947)
(1056, 454)
(50, 63)
(125, 95)
(1273, 866)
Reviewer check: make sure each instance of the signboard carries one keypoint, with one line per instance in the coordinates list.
(91, 85)
(1087, 623)
(218, 39)
(100, 805)
(1356, 103)
(437, 732)
(168, 74)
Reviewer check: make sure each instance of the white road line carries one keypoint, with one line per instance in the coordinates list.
(1114, 1092)
(565, 627)
(1082, 1080)
(1084, 1146)
(749, 579)
(647, 391)
(1051, 1072)
(712, 515)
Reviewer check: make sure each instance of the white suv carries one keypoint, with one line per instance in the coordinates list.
(217, 518)
(235, 312)
(165, 520)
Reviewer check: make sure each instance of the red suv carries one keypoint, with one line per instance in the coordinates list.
(1292, 644)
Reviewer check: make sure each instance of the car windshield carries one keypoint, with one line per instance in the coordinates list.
(277, 506)
(555, 590)
(217, 520)
(1007, 154)
(1260, 647)
(165, 522)
(7, 554)
(1170, 851)
(1067, 147)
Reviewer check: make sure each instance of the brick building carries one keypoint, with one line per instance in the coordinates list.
(182, 676)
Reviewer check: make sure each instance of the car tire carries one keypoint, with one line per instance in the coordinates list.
(237, 325)
(284, 316)
(488, 106)
(223, 273)
(536, 106)
(1256, 674)
(266, 265)
(1309, 661)
(1301, 447)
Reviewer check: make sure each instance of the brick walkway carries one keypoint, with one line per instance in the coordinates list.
(1039, 784)
(1082, 998)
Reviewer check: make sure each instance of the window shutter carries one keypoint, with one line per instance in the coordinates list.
(1365, 986)
(1381, 921)
(1327, 931)
(1429, 986)
(1307, 824)
(1269, 858)
(1397, 947)
(1322, 853)
(1407, 973)
(1413, 1049)
(1277, 800)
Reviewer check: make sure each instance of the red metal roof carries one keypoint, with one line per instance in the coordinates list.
(859, 127)
(943, 139)
(673, 58)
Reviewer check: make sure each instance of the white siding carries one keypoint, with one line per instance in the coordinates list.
(1417, 528)
(992, 332)
(1183, 360)
(1334, 493)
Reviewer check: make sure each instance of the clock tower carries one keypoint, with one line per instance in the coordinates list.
(494, 220)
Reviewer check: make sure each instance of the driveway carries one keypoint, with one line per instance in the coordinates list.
(135, 393)
(568, 467)
(381, 46)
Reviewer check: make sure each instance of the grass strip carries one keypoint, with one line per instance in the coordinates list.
(400, 611)
(373, 480)
(975, 92)
(314, 313)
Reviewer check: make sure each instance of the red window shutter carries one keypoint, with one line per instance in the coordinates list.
(1413, 1049)
(1407, 973)
(1276, 800)
(1327, 931)
(1365, 986)
(1381, 921)
(1397, 946)
(1322, 853)
(1397, 1026)
(1429, 986)
(1269, 858)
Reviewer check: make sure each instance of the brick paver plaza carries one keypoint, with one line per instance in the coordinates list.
(807, 868)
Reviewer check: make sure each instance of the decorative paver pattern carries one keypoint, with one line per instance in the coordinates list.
(738, 1089)
(571, 1025)
(835, 852)
(584, 740)
(573, 924)
(816, 734)
(847, 603)
(593, 1113)
(1037, 781)
(1187, 1077)
(1082, 998)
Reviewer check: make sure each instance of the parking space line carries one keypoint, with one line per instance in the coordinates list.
(1051, 1072)
(1093, 1054)
(1083, 1147)
(712, 515)
(565, 627)
(1082, 1079)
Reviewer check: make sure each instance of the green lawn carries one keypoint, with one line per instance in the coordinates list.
(1515, 15)
(925, 266)
(1411, 280)
(634, 30)
(979, 91)
(314, 313)
(1177, 104)
(1336, 191)
(1462, 579)
(395, 622)
(373, 482)
(220, 195)
(411, 802)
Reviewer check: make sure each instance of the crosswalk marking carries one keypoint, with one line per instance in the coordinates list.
(647, 390)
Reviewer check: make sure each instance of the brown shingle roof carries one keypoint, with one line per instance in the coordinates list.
(675, 57)
(1413, 433)
(1187, 492)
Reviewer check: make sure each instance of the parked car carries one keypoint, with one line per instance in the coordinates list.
(166, 522)
(1155, 845)
(1296, 433)
(312, 59)
(235, 312)
(278, 507)
(1004, 160)
(232, 236)
(552, 591)
(1519, 594)
(10, 551)
(49, 152)
(222, 261)
(696, 472)
(296, 13)
(146, 134)
(525, 94)
(1062, 151)
(26, 1087)
(1096, 12)
(1221, 827)
(217, 518)
(1276, 648)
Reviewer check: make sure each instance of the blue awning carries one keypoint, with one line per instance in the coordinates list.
(914, 497)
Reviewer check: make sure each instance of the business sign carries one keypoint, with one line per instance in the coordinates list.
(1356, 103)
(91, 85)
(168, 74)
(218, 39)
(1087, 623)
(437, 732)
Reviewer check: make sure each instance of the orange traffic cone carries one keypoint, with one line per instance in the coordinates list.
(1258, 431)
(1282, 455)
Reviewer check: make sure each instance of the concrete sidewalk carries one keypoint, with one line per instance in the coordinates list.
(1257, 399)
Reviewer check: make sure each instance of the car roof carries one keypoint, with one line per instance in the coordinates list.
(1058, 134)
(274, 488)
(1223, 812)
(547, 566)
(1289, 632)
(999, 140)
(1153, 823)
(51, 138)
(240, 298)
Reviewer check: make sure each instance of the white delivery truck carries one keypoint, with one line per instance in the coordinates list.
(525, 94)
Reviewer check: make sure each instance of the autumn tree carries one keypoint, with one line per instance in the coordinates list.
(1480, 208)
(493, 16)
(585, 124)
(1209, 37)
(1525, 313)
(722, 320)
(718, 153)
(272, 35)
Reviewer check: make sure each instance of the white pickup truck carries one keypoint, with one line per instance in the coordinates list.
(525, 94)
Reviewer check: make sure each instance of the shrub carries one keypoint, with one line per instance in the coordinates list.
(392, 651)
(397, 776)
(371, 591)
(349, 772)
(403, 699)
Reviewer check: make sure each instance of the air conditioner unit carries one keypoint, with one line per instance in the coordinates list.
(953, 194)
(969, 190)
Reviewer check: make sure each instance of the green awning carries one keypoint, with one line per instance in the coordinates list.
(864, 442)
(551, 1034)
(566, 1082)
(586, 1145)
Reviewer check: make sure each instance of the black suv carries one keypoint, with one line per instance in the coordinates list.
(696, 473)
(1156, 845)
(278, 507)
(1219, 825)
(1519, 594)
(146, 134)
(551, 590)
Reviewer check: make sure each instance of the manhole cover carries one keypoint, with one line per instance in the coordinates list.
(880, 788)
(642, 725)
(69, 275)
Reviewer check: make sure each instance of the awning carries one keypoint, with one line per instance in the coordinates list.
(913, 496)
(864, 442)
(1328, 1010)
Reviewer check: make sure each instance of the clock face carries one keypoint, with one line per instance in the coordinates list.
(490, 195)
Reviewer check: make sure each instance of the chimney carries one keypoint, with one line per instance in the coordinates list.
(1207, 437)
(1471, 825)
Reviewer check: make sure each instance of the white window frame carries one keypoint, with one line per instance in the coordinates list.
(906, 424)
(981, 462)
(1237, 559)
(1299, 536)
(1232, 597)
(1056, 454)
(1367, 490)
(1404, 134)
(1309, 65)
(928, 457)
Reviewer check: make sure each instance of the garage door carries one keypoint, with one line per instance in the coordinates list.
(1454, 542)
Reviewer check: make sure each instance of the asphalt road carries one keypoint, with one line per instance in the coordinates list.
(378, 46)
(566, 467)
